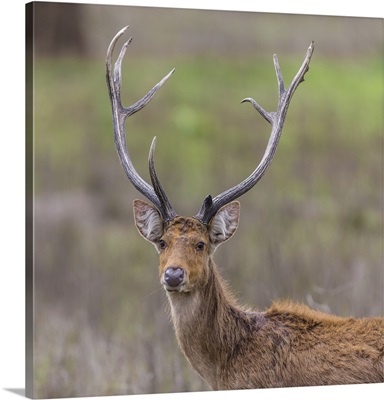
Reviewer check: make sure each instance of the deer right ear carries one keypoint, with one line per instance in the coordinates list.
(148, 221)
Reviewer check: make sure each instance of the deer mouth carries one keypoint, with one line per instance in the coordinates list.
(173, 289)
(182, 288)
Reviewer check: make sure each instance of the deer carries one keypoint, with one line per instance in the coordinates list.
(229, 345)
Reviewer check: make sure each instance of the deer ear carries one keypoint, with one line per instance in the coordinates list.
(148, 221)
(224, 224)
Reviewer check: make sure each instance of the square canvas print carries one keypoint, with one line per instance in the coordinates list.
(128, 289)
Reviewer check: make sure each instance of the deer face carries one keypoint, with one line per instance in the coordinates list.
(185, 244)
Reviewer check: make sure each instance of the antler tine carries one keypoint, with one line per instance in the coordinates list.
(276, 119)
(165, 204)
(120, 114)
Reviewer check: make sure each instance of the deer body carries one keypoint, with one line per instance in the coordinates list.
(229, 346)
(287, 345)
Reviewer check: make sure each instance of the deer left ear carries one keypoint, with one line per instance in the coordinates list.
(224, 224)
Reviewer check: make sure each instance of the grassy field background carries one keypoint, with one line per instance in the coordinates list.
(310, 230)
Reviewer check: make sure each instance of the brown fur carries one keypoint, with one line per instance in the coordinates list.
(235, 348)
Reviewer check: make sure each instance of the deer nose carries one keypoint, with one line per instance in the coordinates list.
(173, 276)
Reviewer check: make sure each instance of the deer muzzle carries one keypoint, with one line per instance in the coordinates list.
(173, 278)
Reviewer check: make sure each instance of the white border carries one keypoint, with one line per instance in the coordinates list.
(12, 186)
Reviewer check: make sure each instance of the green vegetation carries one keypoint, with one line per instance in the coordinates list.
(310, 230)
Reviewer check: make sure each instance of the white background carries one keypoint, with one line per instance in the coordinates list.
(12, 339)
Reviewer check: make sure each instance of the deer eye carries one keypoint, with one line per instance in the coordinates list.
(200, 246)
(162, 244)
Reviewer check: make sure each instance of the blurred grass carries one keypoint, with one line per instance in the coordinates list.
(198, 109)
(311, 229)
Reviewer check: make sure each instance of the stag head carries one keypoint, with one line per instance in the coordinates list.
(185, 245)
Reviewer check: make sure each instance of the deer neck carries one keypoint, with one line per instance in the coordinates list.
(206, 322)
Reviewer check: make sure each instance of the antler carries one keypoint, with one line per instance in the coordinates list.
(276, 119)
(156, 193)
